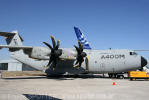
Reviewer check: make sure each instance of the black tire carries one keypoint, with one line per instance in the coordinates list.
(130, 79)
(110, 75)
(121, 76)
(115, 75)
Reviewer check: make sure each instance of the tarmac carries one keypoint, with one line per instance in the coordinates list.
(72, 88)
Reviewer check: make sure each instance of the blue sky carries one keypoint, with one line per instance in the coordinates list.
(117, 24)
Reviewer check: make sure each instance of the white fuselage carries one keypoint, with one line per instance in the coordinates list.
(97, 61)
(103, 61)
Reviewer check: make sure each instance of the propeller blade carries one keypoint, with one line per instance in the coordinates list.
(51, 59)
(48, 45)
(53, 42)
(78, 50)
(80, 46)
(76, 62)
(54, 64)
(80, 63)
(58, 44)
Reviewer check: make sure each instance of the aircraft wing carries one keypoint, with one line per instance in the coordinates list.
(141, 50)
(16, 47)
(26, 49)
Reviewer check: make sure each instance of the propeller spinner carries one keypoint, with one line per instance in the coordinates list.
(55, 52)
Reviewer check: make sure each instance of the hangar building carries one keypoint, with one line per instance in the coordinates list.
(14, 65)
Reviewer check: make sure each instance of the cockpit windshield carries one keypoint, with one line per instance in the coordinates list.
(133, 53)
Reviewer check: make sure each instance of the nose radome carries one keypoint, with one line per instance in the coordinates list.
(143, 62)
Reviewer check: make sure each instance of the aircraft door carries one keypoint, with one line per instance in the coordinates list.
(87, 64)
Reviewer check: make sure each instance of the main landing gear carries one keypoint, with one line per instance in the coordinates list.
(116, 75)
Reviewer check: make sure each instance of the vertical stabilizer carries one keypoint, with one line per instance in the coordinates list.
(81, 38)
(13, 39)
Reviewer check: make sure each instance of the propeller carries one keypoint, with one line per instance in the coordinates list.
(55, 52)
(80, 55)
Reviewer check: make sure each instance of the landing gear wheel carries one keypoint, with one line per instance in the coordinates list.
(121, 76)
(110, 75)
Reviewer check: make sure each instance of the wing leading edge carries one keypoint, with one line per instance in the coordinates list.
(16, 47)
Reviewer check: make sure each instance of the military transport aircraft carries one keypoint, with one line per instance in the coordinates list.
(56, 61)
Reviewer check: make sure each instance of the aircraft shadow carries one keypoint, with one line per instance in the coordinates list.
(83, 76)
(40, 97)
(61, 77)
(39, 77)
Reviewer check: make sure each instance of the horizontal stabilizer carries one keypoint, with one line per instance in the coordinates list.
(7, 34)
(12, 38)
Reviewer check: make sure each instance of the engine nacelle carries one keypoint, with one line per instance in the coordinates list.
(68, 53)
(40, 53)
(43, 53)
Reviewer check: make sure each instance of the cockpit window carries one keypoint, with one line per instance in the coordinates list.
(133, 53)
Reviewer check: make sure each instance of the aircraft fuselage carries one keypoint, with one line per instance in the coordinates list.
(102, 61)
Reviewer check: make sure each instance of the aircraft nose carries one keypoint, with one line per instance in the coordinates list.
(143, 62)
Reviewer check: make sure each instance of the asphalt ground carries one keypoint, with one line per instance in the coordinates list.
(72, 88)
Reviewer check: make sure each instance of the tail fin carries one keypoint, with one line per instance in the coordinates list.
(12, 38)
(81, 38)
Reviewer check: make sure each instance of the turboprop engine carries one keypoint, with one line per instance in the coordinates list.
(40, 53)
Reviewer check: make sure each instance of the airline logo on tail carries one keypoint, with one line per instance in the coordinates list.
(81, 38)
